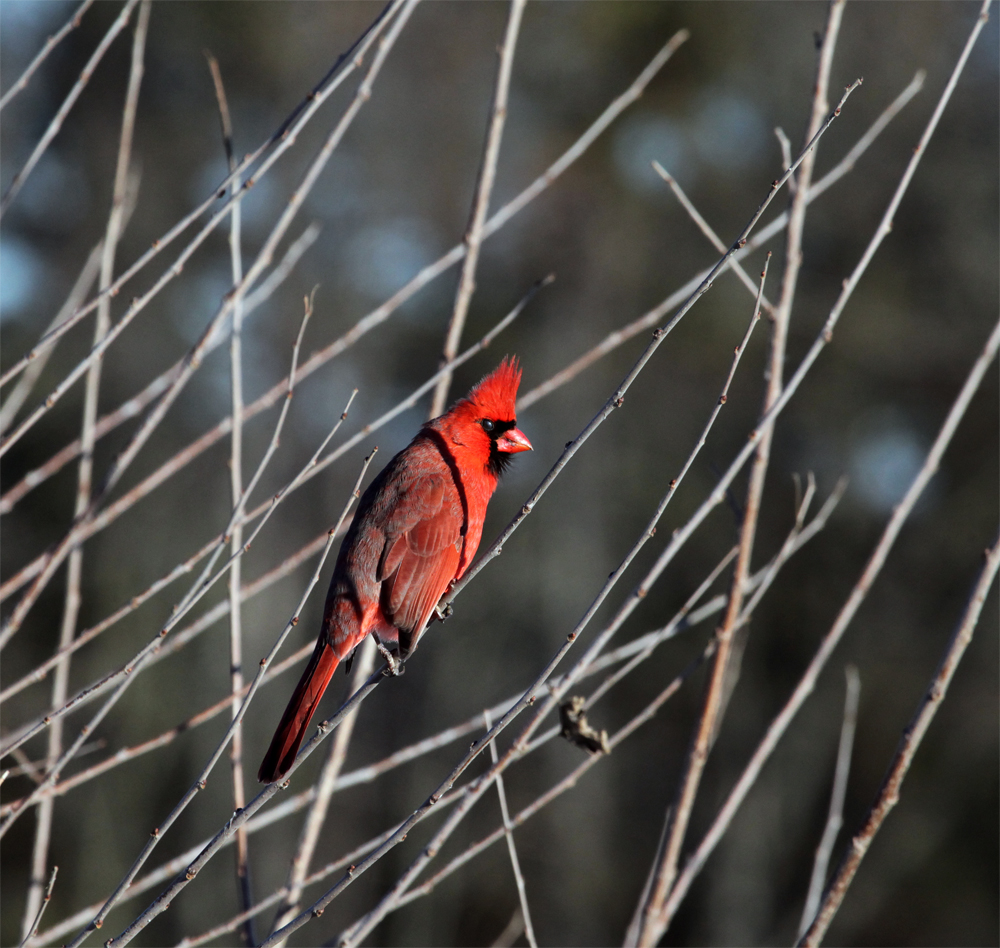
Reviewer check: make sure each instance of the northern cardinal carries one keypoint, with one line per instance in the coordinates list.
(415, 531)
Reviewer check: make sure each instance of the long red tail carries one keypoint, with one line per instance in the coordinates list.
(295, 721)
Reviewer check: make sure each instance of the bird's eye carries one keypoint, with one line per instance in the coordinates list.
(487, 425)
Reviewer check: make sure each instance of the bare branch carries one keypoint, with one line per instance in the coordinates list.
(484, 188)
(725, 662)
(51, 43)
(830, 641)
(710, 233)
(88, 70)
(508, 830)
(835, 818)
(888, 795)
(283, 139)
(382, 313)
(236, 495)
(193, 360)
(325, 786)
(199, 784)
(43, 905)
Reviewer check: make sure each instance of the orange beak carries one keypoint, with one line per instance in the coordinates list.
(513, 441)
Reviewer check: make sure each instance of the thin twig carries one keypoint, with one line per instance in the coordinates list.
(786, 146)
(279, 273)
(652, 925)
(325, 786)
(121, 21)
(170, 868)
(425, 276)
(888, 795)
(314, 467)
(12, 404)
(194, 358)
(199, 784)
(511, 931)
(129, 409)
(42, 906)
(51, 43)
(236, 493)
(508, 829)
(74, 571)
(709, 232)
(480, 205)
(835, 817)
(807, 682)
(648, 320)
(126, 754)
(281, 140)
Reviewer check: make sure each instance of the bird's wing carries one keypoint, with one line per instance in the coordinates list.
(420, 558)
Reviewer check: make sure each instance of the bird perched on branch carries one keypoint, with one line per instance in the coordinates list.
(416, 529)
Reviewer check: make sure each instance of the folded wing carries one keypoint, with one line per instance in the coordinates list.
(423, 544)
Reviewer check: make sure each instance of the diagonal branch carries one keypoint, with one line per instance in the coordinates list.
(888, 795)
(120, 210)
(121, 21)
(652, 924)
(835, 817)
(281, 141)
(383, 312)
(192, 361)
(832, 638)
(200, 783)
(51, 43)
(484, 188)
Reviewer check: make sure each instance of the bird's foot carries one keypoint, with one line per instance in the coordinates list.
(442, 614)
(395, 667)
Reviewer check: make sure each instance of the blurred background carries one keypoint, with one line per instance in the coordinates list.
(395, 196)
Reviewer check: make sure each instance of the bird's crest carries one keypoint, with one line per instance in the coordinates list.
(496, 395)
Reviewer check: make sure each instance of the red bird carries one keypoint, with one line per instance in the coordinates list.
(416, 530)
